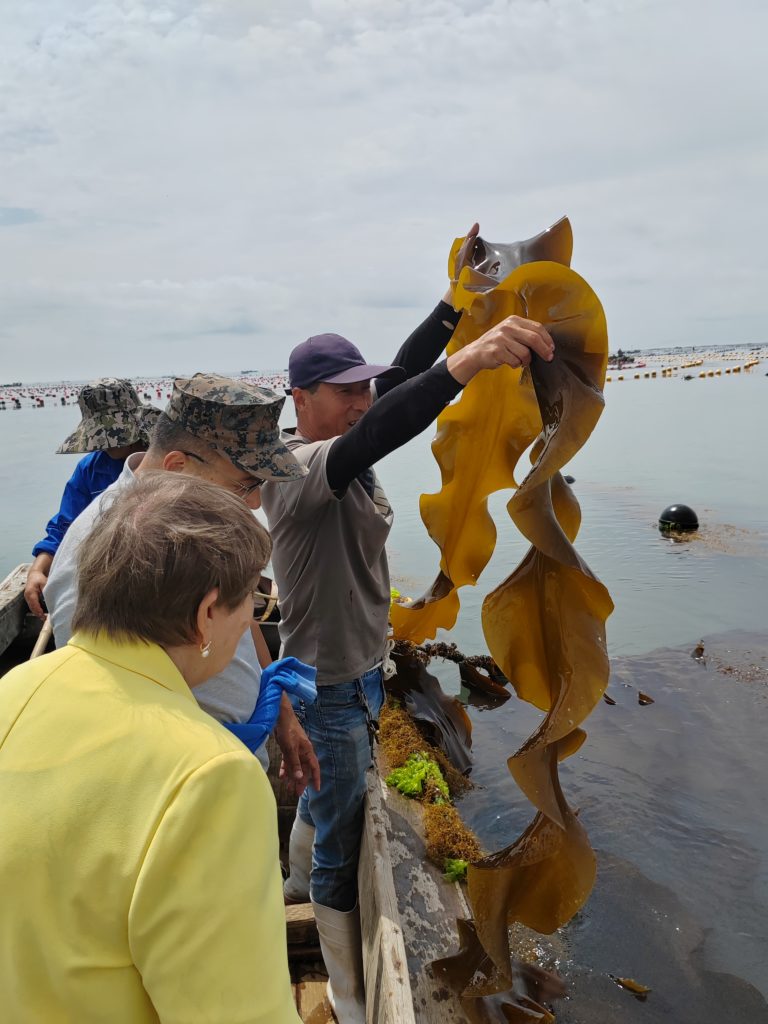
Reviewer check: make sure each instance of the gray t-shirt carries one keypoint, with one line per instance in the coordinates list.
(228, 697)
(330, 566)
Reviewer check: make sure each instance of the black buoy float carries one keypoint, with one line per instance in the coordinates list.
(678, 518)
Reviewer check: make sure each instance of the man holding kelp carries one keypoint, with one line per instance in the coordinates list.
(329, 532)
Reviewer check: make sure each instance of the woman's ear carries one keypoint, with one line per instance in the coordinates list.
(205, 616)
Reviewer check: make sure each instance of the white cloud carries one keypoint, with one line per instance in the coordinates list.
(189, 170)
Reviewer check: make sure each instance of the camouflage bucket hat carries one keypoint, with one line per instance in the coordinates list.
(113, 417)
(238, 420)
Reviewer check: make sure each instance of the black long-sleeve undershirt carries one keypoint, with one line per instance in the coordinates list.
(424, 345)
(403, 410)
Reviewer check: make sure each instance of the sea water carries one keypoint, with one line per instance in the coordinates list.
(672, 793)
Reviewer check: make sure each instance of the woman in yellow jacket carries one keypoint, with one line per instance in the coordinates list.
(139, 877)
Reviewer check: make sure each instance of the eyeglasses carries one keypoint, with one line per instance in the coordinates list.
(240, 488)
(246, 490)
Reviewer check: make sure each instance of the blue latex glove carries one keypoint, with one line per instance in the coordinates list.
(287, 675)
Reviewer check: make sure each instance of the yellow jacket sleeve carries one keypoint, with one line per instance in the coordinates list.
(206, 921)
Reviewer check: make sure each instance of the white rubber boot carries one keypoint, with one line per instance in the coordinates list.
(296, 885)
(341, 946)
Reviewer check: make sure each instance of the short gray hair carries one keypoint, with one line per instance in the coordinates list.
(168, 436)
(153, 554)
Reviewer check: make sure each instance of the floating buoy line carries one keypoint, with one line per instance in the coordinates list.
(673, 371)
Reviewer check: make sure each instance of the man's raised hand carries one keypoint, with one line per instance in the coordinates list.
(512, 342)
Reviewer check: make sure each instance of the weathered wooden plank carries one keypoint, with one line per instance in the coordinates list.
(300, 925)
(429, 907)
(387, 986)
(312, 1004)
(12, 605)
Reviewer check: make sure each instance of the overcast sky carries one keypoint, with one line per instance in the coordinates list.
(188, 186)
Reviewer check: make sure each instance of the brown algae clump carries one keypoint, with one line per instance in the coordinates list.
(399, 738)
(423, 773)
(449, 840)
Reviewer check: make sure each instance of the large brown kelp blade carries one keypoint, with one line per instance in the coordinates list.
(517, 1003)
(481, 437)
(443, 719)
(545, 624)
(541, 880)
(545, 628)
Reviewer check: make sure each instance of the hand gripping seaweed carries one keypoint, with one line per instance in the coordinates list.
(545, 624)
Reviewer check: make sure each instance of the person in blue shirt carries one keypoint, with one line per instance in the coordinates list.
(114, 424)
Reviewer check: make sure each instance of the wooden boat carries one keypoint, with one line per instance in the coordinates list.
(407, 910)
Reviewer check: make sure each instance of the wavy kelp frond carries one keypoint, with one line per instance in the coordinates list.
(476, 462)
(481, 437)
(541, 880)
(437, 609)
(558, 662)
(442, 718)
(545, 624)
(545, 628)
(516, 1003)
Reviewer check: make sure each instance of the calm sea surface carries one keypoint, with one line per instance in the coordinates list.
(673, 794)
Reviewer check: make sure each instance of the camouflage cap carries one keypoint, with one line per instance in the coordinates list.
(236, 419)
(113, 417)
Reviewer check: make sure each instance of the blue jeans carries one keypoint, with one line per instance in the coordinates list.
(338, 726)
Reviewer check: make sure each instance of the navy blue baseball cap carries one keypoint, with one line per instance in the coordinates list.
(331, 359)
